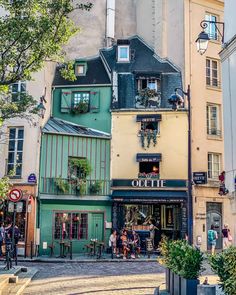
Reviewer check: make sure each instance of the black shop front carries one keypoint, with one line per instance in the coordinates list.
(138, 203)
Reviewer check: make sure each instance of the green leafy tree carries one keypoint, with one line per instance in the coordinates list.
(4, 189)
(32, 32)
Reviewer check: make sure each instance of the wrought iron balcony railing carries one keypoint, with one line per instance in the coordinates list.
(65, 186)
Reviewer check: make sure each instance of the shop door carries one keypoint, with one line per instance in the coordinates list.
(97, 229)
(214, 216)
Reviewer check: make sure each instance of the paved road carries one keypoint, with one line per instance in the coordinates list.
(96, 278)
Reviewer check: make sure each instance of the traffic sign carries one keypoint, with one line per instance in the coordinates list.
(15, 195)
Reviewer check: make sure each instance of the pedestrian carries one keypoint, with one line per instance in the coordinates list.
(227, 238)
(212, 237)
(113, 242)
(16, 236)
(2, 236)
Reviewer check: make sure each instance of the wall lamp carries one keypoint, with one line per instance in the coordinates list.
(203, 37)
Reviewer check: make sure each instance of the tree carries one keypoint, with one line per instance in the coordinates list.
(32, 32)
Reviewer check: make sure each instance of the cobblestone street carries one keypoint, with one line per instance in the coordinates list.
(96, 278)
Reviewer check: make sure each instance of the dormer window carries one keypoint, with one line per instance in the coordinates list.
(80, 69)
(123, 53)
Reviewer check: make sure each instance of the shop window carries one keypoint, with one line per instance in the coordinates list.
(149, 169)
(15, 151)
(70, 225)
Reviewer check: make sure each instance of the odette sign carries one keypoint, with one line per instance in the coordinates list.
(148, 183)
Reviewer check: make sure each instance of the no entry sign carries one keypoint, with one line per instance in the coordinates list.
(15, 195)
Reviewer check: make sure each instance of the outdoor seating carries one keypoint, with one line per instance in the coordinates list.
(89, 249)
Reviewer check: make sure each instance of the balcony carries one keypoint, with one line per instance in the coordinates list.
(148, 99)
(214, 132)
(78, 187)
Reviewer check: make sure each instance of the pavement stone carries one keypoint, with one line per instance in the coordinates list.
(101, 278)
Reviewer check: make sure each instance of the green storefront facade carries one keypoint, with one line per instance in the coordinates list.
(74, 187)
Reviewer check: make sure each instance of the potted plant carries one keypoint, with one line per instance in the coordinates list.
(223, 264)
(80, 108)
(96, 187)
(191, 268)
(82, 187)
(62, 184)
(164, 259)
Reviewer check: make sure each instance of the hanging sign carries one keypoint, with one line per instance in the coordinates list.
(15, 195)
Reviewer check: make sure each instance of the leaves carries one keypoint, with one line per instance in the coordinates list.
(224, 265)
(32, 32)
(4, 187)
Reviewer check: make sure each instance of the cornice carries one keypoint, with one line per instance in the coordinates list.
(228, 49)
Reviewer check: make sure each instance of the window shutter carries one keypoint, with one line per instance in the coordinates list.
(94, 101)
(65, 100)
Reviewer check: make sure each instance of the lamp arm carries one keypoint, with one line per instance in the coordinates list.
(204, 24)
(180, 89)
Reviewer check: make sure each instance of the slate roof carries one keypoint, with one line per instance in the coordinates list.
(96, 74)
(58, 126)
(143, 59)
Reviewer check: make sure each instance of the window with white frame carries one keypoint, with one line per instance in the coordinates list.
(15, 151)
(81, 101)
(123, 53)
(212, 72)
(213, 120)
(211, 27)
(151, 83)
(214, 165)
(17, 89)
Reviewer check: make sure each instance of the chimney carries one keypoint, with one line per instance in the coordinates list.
(110, 22)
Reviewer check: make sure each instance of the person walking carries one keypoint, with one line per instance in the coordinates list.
(113, 242)
(227, 238)
(212, 237)
(2, 236)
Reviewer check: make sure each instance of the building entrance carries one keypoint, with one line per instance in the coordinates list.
(214, 216)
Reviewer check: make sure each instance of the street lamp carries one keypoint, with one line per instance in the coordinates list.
(203, 37)
(41, 109)
(175, 100)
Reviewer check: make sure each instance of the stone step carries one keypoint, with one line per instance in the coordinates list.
(24, 278)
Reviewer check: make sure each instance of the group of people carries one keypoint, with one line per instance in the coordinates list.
(124, 244)
(213, 237)
(6, 233)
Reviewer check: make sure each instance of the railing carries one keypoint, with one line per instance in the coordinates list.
(213, 83)
(148, 102)
(65, 186)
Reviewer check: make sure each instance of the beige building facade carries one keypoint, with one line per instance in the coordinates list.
(174, 37)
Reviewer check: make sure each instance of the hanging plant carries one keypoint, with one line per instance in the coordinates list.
(96, 187)
(62, 184)
(82, 166)
(154, 137)
(142, 133)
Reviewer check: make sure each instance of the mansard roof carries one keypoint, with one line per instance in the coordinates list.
(96, 75)
(143, 59)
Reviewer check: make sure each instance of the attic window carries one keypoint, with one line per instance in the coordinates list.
(80, 69)
(123, 53)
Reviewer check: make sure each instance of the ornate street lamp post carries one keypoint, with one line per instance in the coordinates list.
(203, 37)
(176, 100)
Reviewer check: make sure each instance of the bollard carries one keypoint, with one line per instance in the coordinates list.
(206, 290)
(70, 250)
(31, 249)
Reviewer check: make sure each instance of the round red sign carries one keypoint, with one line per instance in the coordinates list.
(15, 195)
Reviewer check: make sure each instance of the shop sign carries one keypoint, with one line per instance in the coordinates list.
(151, 183)
(200, 177)
(32, 178)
